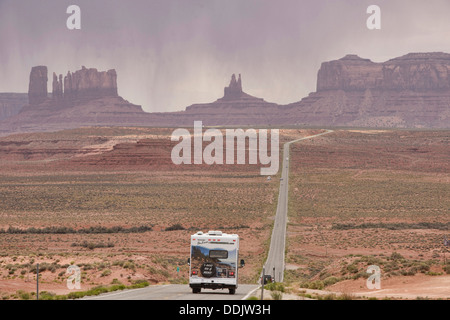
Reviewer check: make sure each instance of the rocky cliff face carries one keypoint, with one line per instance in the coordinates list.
(412, 91)
(234, 89)
(84, 85)
(419, 72)
(82, 98)
(76, 87)
(90, 84)
(409, 91)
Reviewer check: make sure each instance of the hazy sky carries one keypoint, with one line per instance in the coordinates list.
(169, 54)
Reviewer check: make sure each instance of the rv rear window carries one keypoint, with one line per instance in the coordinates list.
(219, 254)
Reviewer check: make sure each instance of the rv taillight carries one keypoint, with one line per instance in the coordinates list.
(194, 272)
(231, 274)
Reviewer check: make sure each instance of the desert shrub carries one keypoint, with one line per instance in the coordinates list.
(346, 296)
(140, 283)
(360, 274)
(396, 256)
(330, 281)
(93, 245)
(352, 268)
(76, 295)
(411, 271)
(23, 295)
(423, 267)
(447, 268)
(275, 286)
(106, 273)
(317, 285)
(116, 287)
(97, 290)
(118, 263)
(45, 295)
(129, 265)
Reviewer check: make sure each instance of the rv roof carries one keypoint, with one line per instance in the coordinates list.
(215, 233)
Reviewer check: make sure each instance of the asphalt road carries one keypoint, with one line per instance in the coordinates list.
(175, 292)
(275, 263)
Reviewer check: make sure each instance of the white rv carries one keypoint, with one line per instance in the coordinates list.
(214, 261)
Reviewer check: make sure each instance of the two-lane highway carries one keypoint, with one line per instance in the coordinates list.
(274, 265)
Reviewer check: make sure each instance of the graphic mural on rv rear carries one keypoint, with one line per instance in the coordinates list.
(213, 262)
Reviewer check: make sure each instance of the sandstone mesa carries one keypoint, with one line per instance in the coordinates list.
(411, 91)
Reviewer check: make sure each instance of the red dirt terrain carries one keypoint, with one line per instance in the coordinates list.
(371, 197)
(74, 197)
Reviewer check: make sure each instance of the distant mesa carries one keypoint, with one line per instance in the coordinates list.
(79, 86)
(414, 71)
(86, 97)
(84, 84)
(412, 91)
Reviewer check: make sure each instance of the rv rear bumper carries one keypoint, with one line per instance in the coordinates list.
(213, 285)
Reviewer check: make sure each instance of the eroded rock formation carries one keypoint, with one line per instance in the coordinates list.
(82, 98)
(79, 86)
(234, 89)
(90, 84)
(414, 71)
(412, 91)
(409, 91)
(57, 92)
(83, 85)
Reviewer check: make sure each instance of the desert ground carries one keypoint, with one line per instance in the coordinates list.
(110, 201)
(371, 197)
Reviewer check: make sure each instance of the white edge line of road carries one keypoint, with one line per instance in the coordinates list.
(250, 293)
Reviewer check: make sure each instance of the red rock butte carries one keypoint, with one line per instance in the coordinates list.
(77, 87)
